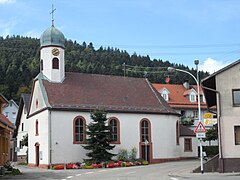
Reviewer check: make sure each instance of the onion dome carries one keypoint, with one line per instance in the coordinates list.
(52, 37)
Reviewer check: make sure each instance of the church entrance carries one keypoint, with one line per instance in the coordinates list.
(145, 152)
(37, 154)
(145, 145)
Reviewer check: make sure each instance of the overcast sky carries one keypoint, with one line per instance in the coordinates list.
(175, 30)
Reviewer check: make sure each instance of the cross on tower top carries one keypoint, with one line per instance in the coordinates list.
(53, 9)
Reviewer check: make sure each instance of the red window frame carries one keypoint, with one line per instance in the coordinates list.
(79, 130)
(187, 144)
(114, 124)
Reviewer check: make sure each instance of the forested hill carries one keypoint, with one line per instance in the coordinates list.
(19, 64)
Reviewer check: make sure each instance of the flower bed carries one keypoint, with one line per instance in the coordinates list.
(110, 164)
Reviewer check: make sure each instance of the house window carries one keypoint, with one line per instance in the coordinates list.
(6, 114)
(55, 63)
(195, 114)
(22, 126)
(165, 96)
(237, 135)
(14, 114)
(115, 130)
(36, 126)
(79, 126)
(192, 97)
(177, 133)
(187, 144)
(20, 145)
(145, 131)
(236, 97)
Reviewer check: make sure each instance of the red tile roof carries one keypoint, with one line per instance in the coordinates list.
(111, 93)
(177, 96)
(6, 121)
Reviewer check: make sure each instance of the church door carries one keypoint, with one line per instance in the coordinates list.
(37, 154)
(145, 140)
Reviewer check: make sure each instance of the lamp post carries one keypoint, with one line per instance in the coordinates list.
(196, 62)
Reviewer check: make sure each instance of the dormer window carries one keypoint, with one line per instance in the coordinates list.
(165, 94)
(191, 94)
(192, 97)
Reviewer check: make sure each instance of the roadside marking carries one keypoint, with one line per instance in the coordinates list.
(64, 179)
(102, 170)
(69, 177)
(78, 174)
(89, 173)
(131, 172)
(174, 178)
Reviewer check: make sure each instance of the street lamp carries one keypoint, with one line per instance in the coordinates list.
(196, 62)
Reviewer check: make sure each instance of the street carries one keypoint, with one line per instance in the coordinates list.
(164, 171)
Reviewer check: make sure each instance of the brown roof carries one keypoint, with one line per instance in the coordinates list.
(185, 131)
(5, 121)
(177, 96)
(111, 93)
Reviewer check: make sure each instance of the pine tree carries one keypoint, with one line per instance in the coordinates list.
(98, 141)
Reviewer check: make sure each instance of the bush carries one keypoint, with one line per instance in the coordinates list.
(210, 150)
(122, 155)
(133, 154)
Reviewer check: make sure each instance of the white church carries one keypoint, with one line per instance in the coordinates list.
(61, 103)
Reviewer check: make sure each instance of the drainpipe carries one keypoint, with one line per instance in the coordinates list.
(50, 137)
(219, 127)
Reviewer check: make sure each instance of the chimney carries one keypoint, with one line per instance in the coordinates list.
(186, 85)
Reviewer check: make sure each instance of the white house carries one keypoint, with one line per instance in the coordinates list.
(183, 99)
(61, 103)
(10, 110)
(22, 128)
(222, 90)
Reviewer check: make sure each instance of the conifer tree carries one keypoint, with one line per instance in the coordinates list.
(98, 140)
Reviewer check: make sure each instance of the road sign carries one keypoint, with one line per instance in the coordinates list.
(208, 115)
(201, 135)
(200, 128)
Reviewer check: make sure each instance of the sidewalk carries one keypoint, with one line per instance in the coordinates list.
(187, 173)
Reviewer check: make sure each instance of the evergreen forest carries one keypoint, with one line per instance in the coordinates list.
(19, 64)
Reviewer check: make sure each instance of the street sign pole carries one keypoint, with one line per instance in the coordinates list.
(201, 155)
(200, 133)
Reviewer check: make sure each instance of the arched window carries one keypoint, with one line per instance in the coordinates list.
(145, 131)
(55, 63)
(114, 130)
(79, 127)
(177, 133)
(36, 126)
(41, 65)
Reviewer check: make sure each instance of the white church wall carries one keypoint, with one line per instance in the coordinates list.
(163, 135)
(37, 101)
(42, 138)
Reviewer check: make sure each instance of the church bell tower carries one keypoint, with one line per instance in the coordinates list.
(52, 52)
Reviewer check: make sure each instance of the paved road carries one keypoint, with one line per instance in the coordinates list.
(165, 171)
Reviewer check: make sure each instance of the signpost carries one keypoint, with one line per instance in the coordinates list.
(201, 133)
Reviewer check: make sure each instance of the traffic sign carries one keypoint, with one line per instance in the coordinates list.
(200, 128)
(201, 135)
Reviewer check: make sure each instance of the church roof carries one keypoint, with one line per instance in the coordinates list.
(52, 37)
(110, 93)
